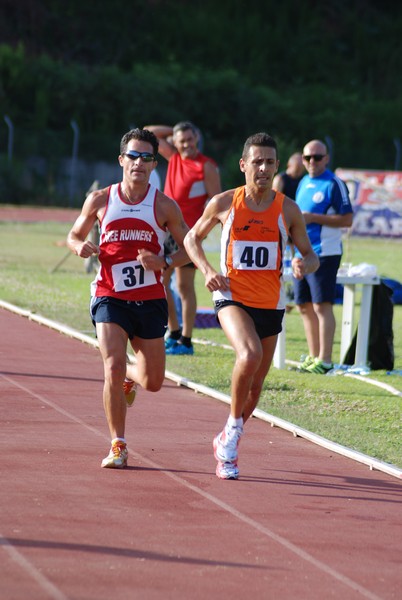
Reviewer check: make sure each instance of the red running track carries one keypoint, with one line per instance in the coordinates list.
(301, 522)
(33, 214)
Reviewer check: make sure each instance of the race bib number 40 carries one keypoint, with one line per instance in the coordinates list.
(255, 255)
(131, 275)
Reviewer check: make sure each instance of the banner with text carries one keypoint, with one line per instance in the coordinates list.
(377, 201)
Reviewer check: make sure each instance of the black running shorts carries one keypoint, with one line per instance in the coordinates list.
(146, 319)
(267, 321)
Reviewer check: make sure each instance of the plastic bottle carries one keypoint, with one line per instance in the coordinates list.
(287, 261)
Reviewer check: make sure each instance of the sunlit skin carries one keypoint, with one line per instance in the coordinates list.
(186, 143)
(136, 171)
(315, 168)
(260, 168)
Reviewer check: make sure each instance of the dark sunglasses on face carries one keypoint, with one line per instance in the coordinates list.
(145, 156)
(317, 157)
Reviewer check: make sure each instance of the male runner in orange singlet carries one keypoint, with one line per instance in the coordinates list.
(249, 294)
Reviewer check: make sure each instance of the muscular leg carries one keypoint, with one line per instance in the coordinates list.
(149, 369)
(311, 327)
(185, 277)
(252, 358)
(268, 349)
(113, 344)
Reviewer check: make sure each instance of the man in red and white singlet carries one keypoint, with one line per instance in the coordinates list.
(192, 178)
(128, 296)
(248, 292)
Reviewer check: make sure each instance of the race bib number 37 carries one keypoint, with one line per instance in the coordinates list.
(131, 275)
(255, 255)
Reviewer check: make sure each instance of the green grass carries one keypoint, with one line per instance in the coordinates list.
(353, 413)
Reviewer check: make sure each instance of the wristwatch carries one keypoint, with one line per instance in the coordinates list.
(168, 260)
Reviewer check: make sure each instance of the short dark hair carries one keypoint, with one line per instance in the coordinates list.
(258, 139)
(184, 126)
(143, 135)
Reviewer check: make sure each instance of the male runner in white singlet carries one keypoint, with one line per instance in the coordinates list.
(128, 296)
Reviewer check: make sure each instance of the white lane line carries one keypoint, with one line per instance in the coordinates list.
(267, 532)
(44, 583)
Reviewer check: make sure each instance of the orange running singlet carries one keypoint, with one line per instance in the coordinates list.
(252, 246)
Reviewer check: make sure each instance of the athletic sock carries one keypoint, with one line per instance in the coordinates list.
(186, 341)
(232, 422)
(175, 335)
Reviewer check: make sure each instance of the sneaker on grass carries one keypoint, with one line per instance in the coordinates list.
(319, 367)
(170, 343)
(307, 362)
(180, 349)
(117, 457)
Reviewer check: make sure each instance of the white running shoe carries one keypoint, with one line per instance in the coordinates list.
(227, 470)
(117, 457)
(226, 444)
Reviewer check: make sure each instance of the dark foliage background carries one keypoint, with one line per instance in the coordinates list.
(298, 70)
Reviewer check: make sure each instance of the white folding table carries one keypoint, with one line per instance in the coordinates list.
(348, 320)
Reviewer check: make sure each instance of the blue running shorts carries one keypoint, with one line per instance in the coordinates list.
(319, 286)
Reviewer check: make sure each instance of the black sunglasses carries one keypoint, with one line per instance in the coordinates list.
(145, 156)
(317, 157)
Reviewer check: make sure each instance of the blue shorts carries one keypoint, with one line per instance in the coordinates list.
(147, 319)
(267, 321)
(319, 286)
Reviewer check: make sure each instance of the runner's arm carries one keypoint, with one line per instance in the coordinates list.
(77, 236)
(212, 215)
(170, 217)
